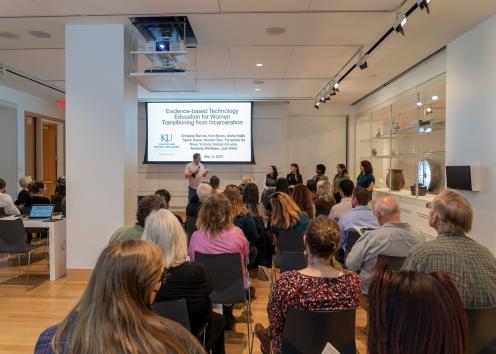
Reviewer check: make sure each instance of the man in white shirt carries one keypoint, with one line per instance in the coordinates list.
(194, 172)
(344, 206)
(6, 201)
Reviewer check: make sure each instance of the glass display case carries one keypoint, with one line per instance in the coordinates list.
(404, 139)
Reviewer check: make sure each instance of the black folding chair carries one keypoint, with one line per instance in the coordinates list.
(290, 241)
(481, 330)
(308, 332)
(13, 239)
(352, 237)
(292, 261)
(176, 310)
(392, 262)
(226, 274)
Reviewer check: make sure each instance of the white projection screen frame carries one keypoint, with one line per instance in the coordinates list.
(222, 132)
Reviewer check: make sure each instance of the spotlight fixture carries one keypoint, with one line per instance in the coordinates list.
(335, 86)
(400, 23)
(428, 110)
(362, 60)
(424, 4)
(419, 104)
(259, 65)
(317, 105)
(322, 99)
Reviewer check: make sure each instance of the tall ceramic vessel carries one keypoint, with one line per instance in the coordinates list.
(395, 179)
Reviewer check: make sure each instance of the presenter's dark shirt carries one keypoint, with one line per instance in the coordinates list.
(247, 224)
(22, 197)
(365, 180)
(37, 200)
(270, 181)
(189, 281)
(293, 179)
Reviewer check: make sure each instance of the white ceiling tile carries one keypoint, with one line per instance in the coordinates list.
(354, 5)
(318, 61)
(207, 89)
(213, 62)
(263, 5)
(21, 27)
(246, 88)
(301, 28)
(21, 8)
(301, 88)
(45, 64)
(274, 60)
(130, 7)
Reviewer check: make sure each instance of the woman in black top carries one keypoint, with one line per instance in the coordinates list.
(271, 177)
(366, 177)
(185, 280)
(294, 177)
(36, 190)
(23, 195)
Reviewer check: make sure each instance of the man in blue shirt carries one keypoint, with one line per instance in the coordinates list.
(360, 217)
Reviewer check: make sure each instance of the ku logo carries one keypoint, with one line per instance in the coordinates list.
(166, 138)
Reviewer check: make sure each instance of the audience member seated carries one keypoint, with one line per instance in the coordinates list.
(36, 191)
(320, 170)
(215, 184)
(326, 199)
(251, 199)
(312, 187)
(472, 265)
(246, 180)
(302, 197)
(319, 287)
(242, 218)
(294, 177)
(341, 175)
(185, 280)
(393, 238)
(282, 185)
(413, 313)
(166, 196)
(23, 195)
(361, 217)
(146, 206)
(286, 215)
(344, 206)
(203, 191)
(216, 235)
(59, 197)
(114, 314)
(6, 201)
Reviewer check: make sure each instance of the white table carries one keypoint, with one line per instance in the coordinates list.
(56, 243)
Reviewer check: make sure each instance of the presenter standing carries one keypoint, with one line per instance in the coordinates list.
(194, 172)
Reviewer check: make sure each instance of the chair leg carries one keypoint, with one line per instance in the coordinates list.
(249, 324)
(18, 264)
(27, 270)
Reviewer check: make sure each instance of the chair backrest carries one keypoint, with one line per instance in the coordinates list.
(393, 263)
(176, 310)
(190, 226)
(226, 275)
(352, 237)
(290, 241)
(13, 236)
(308, 332)
(292, 261)
(481, 330)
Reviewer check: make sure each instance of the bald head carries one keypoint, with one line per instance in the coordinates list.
(387, 210)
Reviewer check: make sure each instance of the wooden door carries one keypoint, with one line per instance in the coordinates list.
(49, 157)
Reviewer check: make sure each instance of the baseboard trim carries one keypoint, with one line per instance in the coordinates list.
(78, 274)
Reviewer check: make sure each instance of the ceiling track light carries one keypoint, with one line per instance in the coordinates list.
(362, 60)
(400, 23)
(424, 4)
(317, 105)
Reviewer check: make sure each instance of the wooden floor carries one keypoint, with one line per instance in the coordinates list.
(24, 314)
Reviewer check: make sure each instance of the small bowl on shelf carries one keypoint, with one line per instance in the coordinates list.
(422, 190)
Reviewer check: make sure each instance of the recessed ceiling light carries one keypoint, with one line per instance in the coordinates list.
(258, 89)
(8, 35)
(419, 104)
(40, 34)
(259, 65)
(275, 31)
(435, 98)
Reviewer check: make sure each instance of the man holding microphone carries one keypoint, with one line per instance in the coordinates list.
(194, 172)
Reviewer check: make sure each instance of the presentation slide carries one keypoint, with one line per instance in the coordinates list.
(220, 131)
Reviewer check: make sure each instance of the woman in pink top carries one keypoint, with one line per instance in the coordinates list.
(217, 234)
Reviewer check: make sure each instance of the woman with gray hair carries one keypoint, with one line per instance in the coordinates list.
(185, 280)
(23, 195)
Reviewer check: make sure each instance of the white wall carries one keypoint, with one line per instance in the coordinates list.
(8, 155)
(283, 132)
(471, 118)
(24, 102)
(101, 131)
